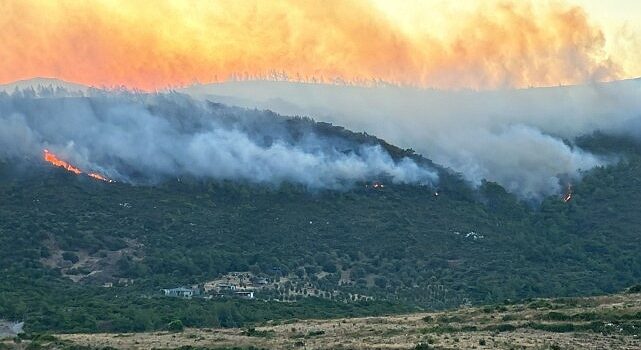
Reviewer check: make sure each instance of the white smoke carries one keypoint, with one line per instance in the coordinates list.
(520, 158)
(137, 137)
(517, 138)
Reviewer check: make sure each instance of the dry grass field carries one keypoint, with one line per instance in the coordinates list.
(606, 322)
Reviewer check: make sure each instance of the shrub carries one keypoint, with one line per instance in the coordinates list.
(539, 304)
(253, 332)
(44, 337)
(503, 327)
(440, 329)
(450, 319)
(315, 333)
(69, 256)
(553, 327)
(556, 316)
(175, 326)
(635, 289)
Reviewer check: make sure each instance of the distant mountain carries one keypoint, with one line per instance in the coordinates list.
(390, 104)
(43, 83)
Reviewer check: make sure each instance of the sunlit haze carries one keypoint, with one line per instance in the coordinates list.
(479, 45)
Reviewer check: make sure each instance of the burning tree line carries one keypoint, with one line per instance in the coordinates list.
(53, 159)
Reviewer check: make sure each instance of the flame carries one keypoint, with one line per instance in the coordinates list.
(99, 177)
(158, 44)
(53, 159)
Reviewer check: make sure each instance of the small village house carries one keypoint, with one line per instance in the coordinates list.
(245, 294)
(180, 292)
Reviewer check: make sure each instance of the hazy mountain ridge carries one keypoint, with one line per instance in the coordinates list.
(46, 86)
(484, 135)
(481, 134)
(145, 138)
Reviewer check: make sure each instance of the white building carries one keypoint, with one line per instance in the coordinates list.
(245, 294)
(180, 292)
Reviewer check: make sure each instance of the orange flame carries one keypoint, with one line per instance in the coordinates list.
(99, 177)
(53, 159)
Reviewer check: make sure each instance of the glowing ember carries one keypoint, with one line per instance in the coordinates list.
(99, 177)
(53, 159)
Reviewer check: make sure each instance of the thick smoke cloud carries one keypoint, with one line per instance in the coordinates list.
(155, 44)
(518, 138)
(146, 138)
(520, 158)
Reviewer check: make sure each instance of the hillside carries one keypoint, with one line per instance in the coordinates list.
(337, 174)
(484, 135)
(384, 249)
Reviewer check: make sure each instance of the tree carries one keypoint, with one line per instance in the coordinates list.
(175, 326)
(380, 282)
(69, 256)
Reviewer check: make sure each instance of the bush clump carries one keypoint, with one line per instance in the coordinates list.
(176, 326)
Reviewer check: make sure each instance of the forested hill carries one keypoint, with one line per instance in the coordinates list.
(64, 236)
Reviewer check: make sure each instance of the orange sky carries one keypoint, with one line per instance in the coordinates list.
(160, 43)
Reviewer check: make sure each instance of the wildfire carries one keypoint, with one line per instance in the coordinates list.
(53, 159)
(99, 177)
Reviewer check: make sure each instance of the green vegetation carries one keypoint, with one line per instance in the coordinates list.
(175, 326)
(635, 289)
(253, 332)
(399, 245)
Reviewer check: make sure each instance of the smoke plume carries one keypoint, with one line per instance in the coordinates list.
(156, 44)
(146, 138)
(518, 138)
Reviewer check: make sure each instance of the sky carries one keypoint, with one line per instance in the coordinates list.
(465, 44)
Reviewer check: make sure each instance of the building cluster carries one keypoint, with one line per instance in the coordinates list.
(237, 284)
(197, 292)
